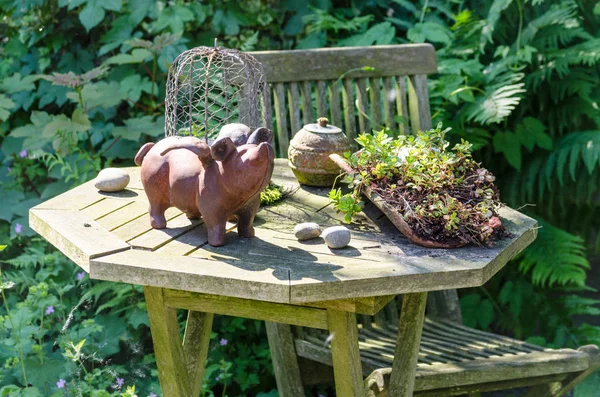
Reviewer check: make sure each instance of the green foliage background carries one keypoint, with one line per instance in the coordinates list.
(82, 87)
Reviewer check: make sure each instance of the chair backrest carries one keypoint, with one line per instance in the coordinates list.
(359, 89)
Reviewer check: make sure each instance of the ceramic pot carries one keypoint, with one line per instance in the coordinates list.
(309, 152)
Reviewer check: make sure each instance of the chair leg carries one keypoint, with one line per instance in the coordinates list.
(402, 378)
(285, 361)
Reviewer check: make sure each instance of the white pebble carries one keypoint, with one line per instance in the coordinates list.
(111, 180)
(337, 236)
(307, 231)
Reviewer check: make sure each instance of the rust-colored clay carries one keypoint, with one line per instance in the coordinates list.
(214, 182)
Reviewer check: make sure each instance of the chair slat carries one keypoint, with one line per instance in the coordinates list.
(420, 114)
(333, 89)
(401, 104)
(349, 118)
(307, 106)
(281, 115)
(475, 333)
(375, 99)
(449, 350)
(268, 109)
(294, 107)
(321, 99)
(493, 346)
(431, 351)
(389, 98)
(331, 63)
(364, 124)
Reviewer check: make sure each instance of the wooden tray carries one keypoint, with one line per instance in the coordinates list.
(394, 216)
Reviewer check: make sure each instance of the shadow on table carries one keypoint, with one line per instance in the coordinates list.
(256, 254)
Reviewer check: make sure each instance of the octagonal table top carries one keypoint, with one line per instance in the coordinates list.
(109, 236)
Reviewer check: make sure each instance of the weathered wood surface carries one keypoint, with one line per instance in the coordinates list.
(285, 361)
(268, 311)
(332, 63)
(196, 340)
(408, 342)
(451, 355)
(347, 368)
(172, 370)
(274, 266)
(75, 235)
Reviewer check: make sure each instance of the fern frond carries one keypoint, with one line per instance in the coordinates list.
(551, 38)
(497, 105)
(577, 148)
(557, 14)
(579, 83)
(568, 115)
(573, 167)
(555, 258)
(579, 305)
(494, 14)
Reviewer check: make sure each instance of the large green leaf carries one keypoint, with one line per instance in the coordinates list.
(16, 83)
(531, 133)
(133, 86)
(135, 127)
(381, 33)
(5, 105)
(138, 55)
(509, 144)
(79, 122)
(429, 31)
(100, 94)
(93, 13)
(173, 16)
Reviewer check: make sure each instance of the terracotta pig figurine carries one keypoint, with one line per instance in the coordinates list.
(214, 182)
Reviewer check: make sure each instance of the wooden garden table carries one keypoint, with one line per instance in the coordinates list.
(272, 277)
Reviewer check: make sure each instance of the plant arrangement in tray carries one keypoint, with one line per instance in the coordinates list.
(436, 195)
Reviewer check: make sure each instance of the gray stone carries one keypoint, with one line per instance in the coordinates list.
(111, 180)
(337, 236)
(307, 231)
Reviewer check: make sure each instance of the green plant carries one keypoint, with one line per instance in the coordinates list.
(272, 194)
(441, 193)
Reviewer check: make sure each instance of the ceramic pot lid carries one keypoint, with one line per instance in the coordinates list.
(322, 126)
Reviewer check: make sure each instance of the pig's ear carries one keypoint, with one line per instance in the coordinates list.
(222, 148)
(261, 135)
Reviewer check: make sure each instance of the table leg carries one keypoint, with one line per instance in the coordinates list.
(195, 347)
(285, 361)
(172, 372)
(402, 379)
(347, 368)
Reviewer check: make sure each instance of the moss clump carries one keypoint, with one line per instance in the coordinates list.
(272, 194)
(442, 193)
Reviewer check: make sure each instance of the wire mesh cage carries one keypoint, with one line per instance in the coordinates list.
(209, 87)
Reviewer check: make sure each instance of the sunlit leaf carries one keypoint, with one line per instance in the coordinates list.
(137, 55)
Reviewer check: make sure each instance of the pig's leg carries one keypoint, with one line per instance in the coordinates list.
(246, 216)
(215, 227)
(192, 215)
(157, 216)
